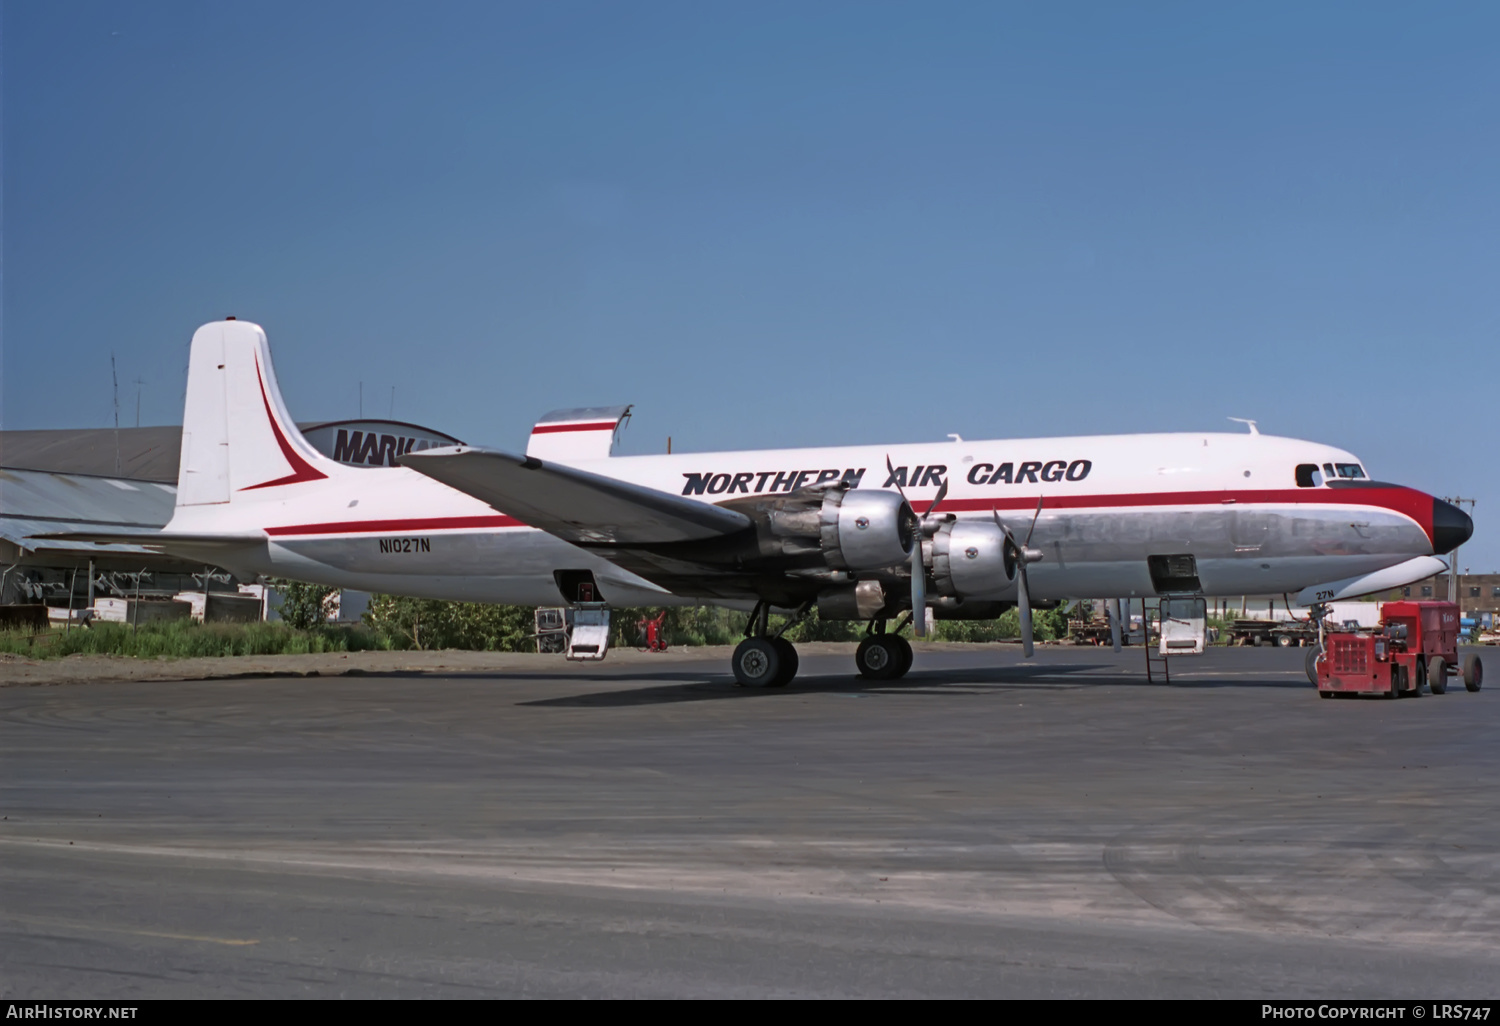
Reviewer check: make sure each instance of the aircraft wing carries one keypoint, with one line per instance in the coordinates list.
(576, 506)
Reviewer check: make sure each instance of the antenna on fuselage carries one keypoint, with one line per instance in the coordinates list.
(1250, 423)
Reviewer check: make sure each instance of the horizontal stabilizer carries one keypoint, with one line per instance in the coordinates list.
(1398, 576)
(588, 509)
(570, 436)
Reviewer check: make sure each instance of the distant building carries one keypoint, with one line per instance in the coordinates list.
(152, 453)
(72, 480)
(1478, 593)
(372, 443)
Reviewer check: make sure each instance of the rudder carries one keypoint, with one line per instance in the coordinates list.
(238, 440)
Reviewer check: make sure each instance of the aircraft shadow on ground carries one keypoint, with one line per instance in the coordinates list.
(663, 688)
(925, 684)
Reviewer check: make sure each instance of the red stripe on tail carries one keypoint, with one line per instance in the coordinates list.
(301, 469)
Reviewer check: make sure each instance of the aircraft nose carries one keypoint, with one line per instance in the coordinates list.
(1451, 527)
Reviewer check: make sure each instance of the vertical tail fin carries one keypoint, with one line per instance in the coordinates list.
(238, 440)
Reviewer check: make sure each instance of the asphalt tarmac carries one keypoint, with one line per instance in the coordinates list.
(985, 827)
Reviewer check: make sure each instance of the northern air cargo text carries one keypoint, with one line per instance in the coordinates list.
(766, 481)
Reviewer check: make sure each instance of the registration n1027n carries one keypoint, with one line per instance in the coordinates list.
(405, 545)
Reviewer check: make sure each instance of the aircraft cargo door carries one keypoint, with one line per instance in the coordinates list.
(1250, 530)
(577, 586)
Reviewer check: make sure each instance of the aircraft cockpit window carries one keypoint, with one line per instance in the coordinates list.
(1308, 475)
(1328, 472)
(1351, 471)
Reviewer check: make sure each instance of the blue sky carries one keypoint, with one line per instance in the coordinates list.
(774, 224)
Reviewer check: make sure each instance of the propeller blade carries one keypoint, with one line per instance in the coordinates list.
(890, 469)
(1023, 600)
(918, 568)
(1024, 555)
(1004, 529)
(1034, 517)
(1013, 553)
(918, 591)
(941, 495)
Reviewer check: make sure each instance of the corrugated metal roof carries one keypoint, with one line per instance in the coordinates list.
(33, 502)
(145, 454)
(152, 453)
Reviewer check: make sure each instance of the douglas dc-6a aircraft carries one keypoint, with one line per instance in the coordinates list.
(1003, 522)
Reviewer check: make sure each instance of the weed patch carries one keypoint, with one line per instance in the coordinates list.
(189, 640)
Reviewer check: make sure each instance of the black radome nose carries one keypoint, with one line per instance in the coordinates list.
(1451, 527)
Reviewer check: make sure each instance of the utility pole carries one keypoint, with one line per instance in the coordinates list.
(114, 377)
(1453, 556)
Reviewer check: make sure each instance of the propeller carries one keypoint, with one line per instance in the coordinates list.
(1023, 554)
(918, 568)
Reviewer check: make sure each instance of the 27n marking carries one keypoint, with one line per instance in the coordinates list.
(405, 545)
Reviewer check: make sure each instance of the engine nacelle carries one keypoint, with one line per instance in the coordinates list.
(839, 528)
(973, 559)
(866, 529)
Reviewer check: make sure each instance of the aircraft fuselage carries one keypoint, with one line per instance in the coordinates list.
(1108, 504)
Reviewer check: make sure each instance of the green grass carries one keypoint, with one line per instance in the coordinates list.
(188, 640)
(496, 628)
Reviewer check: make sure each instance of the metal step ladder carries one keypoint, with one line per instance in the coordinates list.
(1157, 663)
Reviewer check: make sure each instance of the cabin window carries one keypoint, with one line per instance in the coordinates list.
(1351, 471)
(1308, 475)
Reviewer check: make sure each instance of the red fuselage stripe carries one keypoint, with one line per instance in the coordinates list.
(1406, 501)
(398, 526)
(301, 469)
(1402, 500)
(547, 429)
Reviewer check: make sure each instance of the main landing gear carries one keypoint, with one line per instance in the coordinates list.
(764, 660)
(883, 656)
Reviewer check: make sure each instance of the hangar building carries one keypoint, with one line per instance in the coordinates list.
(69, 480)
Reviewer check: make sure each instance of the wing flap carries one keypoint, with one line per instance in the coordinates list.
(575, 505)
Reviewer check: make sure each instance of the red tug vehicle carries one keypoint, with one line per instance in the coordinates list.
(1415, 644)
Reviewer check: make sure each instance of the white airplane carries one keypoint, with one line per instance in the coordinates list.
(1005, 522)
